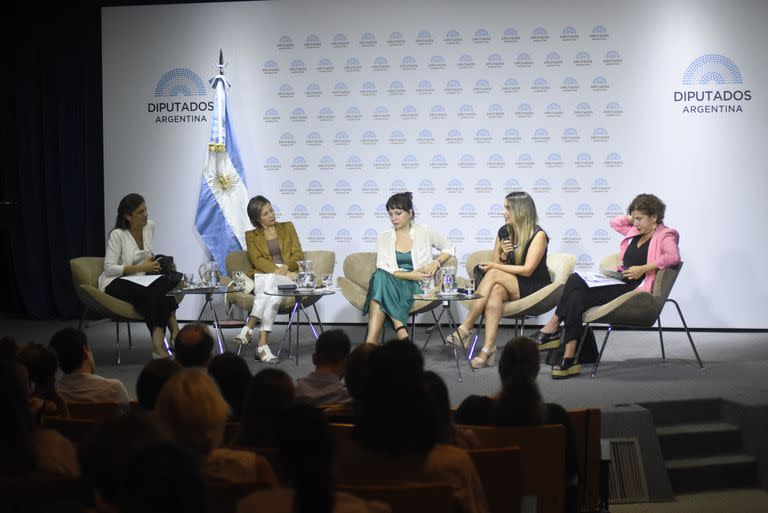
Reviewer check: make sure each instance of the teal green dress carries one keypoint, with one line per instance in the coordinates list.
(393, 294)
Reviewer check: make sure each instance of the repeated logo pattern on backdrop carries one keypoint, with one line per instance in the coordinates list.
(460, 118)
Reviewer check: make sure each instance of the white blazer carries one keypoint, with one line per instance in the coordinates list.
(424, 239)
(122, 250)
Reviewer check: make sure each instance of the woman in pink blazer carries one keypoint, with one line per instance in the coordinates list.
(647, 247)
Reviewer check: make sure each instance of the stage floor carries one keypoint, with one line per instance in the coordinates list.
(632, 370)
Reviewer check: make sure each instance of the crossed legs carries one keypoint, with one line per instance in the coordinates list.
(497, 287)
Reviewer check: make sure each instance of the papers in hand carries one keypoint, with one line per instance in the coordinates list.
(143, 280)
(598, 280)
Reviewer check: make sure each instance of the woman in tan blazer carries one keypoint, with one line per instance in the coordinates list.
(274, 250)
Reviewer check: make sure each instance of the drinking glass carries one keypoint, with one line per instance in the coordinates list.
(426, 283)
(189, 280)
(327, 281)
(470, 287)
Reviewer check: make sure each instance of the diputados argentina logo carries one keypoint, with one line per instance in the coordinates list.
(180, 98)
(714, 85)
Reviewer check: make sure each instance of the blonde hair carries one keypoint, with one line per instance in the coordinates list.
(524, 219)
(192, 408)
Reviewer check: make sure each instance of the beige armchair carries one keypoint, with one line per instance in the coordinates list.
(85, 276)
(636, 309)
(324, 263)
(358, 269)
(559, 265)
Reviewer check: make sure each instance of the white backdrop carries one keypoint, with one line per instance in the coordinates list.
(338, 104)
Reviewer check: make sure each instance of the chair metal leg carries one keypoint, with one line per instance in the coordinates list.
(413, 327)
(117, 341)
(600, 355)
(687, 331)
(130, 339)
(661, 338)
(317, 316)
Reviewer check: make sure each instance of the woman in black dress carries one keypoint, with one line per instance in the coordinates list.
(518, 268)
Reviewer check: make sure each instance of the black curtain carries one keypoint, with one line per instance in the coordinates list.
(52, 184)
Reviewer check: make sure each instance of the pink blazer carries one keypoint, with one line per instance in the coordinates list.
(662, 251)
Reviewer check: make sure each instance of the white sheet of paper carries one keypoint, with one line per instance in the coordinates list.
(143, 280)
(598, 280)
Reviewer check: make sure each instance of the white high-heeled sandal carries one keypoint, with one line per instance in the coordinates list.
(243, 339)
(265, 354)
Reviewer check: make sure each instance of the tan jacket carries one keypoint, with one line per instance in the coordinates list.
(258, 250)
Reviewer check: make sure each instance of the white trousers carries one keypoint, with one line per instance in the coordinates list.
(265, 307)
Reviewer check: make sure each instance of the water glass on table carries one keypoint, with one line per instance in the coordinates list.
(426, 284)
(327, 281)
(470, 287)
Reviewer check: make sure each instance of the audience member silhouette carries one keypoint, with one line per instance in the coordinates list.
(396, 435)
(134, 467)
(192, 408)
(26, 448)
(305, 448)
(323, 385)
(80, 383)
(194, 345)
(232, 374)
(519, 403)
(269, 393)
(41, 365)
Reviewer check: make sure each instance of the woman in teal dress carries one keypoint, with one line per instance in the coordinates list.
(404, 256)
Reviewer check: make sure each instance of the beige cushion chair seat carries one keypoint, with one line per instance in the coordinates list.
(358, 269)
(560, 267)
(636, 308)
(323, 261)
(85, 276)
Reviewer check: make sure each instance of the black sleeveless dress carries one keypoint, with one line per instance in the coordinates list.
(540, 277)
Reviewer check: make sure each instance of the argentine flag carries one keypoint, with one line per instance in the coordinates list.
(221, 218)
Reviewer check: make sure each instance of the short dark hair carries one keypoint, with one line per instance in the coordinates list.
(401, 201)
(127, 206)
(232, 374)
(332, 346)
(194, 344)
(69, 344)
(41, 362)
(650, 205)
(152, 378)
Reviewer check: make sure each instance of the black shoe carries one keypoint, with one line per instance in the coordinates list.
(547, 341)
(567, 368)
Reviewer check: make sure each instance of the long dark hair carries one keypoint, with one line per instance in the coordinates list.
(127, 205)
(305, 446)
(395, 391)
(270, 391)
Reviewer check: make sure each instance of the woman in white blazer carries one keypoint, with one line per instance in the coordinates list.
(131, 252)
(403, 257)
